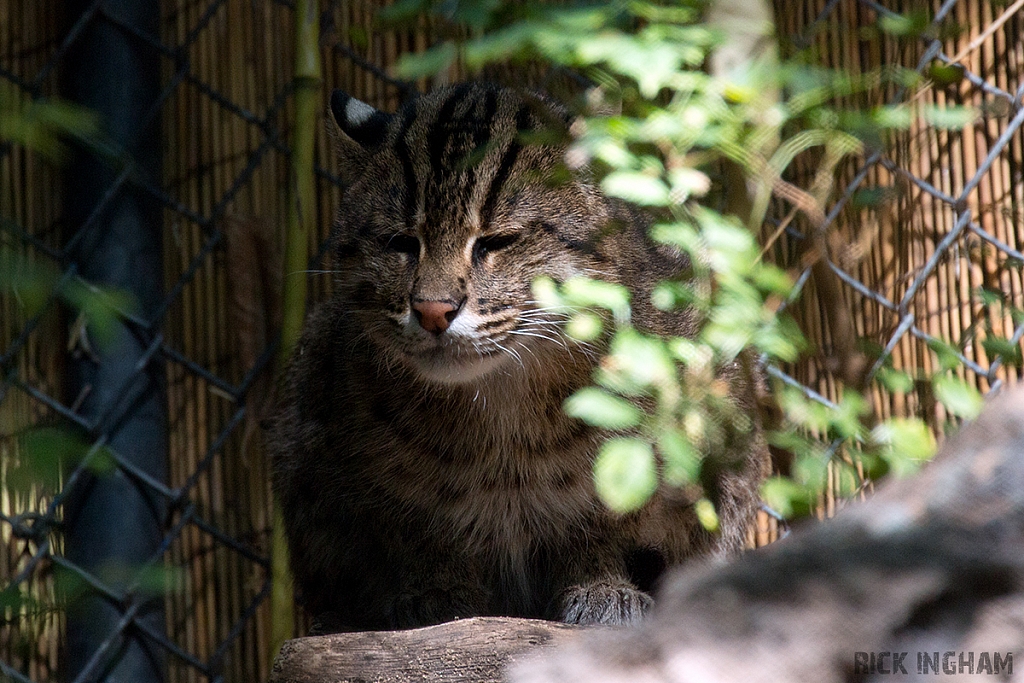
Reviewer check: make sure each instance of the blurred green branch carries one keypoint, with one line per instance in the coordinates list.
(301, 211)
(708, 116)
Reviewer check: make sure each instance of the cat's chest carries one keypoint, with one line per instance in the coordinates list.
(502, 481)
(508, 498)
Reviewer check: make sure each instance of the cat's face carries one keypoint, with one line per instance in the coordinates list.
(450, 217)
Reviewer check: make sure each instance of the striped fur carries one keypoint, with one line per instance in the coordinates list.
(424, 463)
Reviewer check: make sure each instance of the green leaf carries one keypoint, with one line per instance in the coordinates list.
(960, 398)
(43, 126)
(802, 411)
(47, 451)
(910, 24)
(100, 307)
(892, 117)
(584, 326)
(676, 234)
(1004, 348)
(671, 14)
(946, 354)
(643, 359)
(599, 408)
(845, 419)
(31, 282)
(785, 496)
(781, 338)
(945, 75)
(1016, 314)
(402, 11)
(706, 514)
(949, 118)
(691, 353)
(501, 44)
(731, 248)
(905, 444)
(582, 291)
(156, 580)
(669, 295)
(687, 182)
(990, 297)
(624, 474)
(873, 196)
(429, 63)
(682, 461)
(357, 36)
(635, 187)
(13, 600)
(772, 280)
(895, 380)
(810, 470)
(545, 291)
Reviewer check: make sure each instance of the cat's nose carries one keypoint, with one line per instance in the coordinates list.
(435, 316)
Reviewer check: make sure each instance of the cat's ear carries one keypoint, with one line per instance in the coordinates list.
(360, 131)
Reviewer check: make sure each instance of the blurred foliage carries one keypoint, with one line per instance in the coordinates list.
(37, 458)
(44, 126)
(32, 284)
(676, 124)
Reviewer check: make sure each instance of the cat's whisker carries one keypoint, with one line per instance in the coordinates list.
(512, 352)
(537, 335)
(557, 332)
(560, 310)
(602, 273)
(550, 315)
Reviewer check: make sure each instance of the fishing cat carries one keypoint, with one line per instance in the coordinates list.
(424, 464)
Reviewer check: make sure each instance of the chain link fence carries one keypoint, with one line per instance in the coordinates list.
(924, 233)
(924, 239)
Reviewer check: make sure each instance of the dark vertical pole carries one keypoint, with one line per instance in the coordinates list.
(113, 522)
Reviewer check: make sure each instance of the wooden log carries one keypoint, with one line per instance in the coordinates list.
(474, 650)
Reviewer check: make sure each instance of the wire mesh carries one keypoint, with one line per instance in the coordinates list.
(924, 235)
(916, 268)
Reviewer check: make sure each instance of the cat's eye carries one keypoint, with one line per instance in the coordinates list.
(403, 244)
(490, 243)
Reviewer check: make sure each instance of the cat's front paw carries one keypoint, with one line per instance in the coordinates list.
(608, 601)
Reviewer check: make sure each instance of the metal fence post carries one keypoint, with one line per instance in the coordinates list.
(114, 521)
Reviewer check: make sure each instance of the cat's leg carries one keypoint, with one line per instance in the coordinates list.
(434, 579)
(434, 595)
(375, 572)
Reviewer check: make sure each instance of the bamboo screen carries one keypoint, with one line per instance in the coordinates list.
(948, 223)
(30, 196)
(915, 232)
(225, 317)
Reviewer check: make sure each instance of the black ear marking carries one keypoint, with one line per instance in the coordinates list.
(358, 120)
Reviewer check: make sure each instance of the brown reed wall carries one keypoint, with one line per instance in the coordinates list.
(30, 195)
(886, 245)
(245, 52)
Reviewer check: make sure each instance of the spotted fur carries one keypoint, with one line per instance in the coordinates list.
(422, 458)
